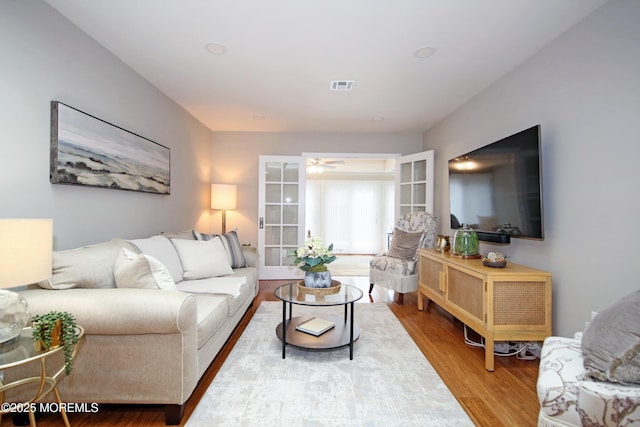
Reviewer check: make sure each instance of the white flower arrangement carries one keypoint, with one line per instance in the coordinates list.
(314, 256)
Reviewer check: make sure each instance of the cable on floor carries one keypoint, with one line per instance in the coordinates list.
(518, 349)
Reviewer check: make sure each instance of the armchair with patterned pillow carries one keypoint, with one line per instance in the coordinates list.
(593, 379)
(397, 269)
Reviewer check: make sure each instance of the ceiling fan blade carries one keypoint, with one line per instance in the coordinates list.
(334, 162)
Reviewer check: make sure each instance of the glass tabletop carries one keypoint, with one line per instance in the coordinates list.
(21, 349)
(296, 293)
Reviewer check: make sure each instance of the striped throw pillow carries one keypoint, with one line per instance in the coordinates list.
(231, 246)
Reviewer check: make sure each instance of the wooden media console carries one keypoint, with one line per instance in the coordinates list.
(501, 304)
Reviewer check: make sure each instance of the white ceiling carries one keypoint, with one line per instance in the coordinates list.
(282, 55)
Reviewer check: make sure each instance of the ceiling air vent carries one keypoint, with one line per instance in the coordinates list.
(342, 84)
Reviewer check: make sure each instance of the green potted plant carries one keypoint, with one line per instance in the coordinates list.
(53, 329)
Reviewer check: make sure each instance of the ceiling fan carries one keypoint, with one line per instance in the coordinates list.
(318, 165)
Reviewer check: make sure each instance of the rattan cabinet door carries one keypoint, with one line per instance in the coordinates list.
(465, 296)
(431, 279)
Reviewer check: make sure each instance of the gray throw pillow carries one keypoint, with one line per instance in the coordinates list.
(404, 245)
(611, 343)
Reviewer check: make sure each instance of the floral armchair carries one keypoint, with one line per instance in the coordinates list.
(593, 379)
(397, 269)
(568, 398)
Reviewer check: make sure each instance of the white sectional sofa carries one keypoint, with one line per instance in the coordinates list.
(155, 311)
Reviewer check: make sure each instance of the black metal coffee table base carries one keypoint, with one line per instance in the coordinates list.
(337, 337)
(345, 331)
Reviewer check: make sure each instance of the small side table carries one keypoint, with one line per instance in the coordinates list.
(21, 351)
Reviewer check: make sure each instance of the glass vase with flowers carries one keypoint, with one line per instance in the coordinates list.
(313, 258)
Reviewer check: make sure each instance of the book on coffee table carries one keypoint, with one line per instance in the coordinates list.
(315, 326)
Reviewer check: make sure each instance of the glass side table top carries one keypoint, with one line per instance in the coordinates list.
(292, 294)
(21, 349)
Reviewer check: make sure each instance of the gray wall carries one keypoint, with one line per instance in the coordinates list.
(584, 90)
(44, 57)
(235, 161)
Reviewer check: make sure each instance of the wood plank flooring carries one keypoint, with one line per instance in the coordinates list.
(505, 397)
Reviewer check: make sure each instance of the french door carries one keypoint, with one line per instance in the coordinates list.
(414, 183)
(280, 215)
(281, 206)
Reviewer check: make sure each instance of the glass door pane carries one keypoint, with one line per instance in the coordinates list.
(414, 184)
(280, 230)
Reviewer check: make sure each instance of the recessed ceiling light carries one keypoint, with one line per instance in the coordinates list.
(259, 117)
(424, 52)
(377, 119)
(215, 48)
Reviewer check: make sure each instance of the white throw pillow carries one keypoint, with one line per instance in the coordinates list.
(201, 259)
(142, 271)
(161, 249)
(231, 245)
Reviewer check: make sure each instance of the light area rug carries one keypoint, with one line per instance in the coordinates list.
(389, 382)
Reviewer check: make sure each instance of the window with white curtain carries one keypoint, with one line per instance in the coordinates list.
(353, 215)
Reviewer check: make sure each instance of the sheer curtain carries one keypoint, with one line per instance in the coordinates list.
(353, 215)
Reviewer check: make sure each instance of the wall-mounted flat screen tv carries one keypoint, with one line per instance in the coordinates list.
(497, 189)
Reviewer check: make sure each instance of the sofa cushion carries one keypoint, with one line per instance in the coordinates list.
(86, 267)
(247, 290)
(226, 285)
(251, 273)
(391, 265)
(235, 288)
(611, 342)
(133, 270)
(212, 314)
(404, 245)
(161, 249)
(607, 404)
(231, 245)
(202, 259)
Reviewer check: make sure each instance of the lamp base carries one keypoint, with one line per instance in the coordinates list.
(14, 314)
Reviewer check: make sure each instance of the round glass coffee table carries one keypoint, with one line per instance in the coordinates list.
(343, 333)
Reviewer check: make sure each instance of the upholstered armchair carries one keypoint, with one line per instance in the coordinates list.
(397, 268)
(593, 379)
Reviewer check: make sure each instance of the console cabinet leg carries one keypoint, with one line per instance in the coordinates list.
(423, 301)
(488, 354)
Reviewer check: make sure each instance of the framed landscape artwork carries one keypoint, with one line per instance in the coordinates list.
(88, 151)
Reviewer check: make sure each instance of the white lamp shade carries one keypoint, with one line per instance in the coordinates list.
(26, 250)
(223, 196)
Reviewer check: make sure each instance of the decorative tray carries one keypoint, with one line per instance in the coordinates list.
(333, 289)
(494, 264)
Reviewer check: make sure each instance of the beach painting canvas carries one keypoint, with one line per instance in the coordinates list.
(88, 151)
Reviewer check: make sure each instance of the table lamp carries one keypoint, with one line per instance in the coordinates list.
(25, 258)
(223, 197)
